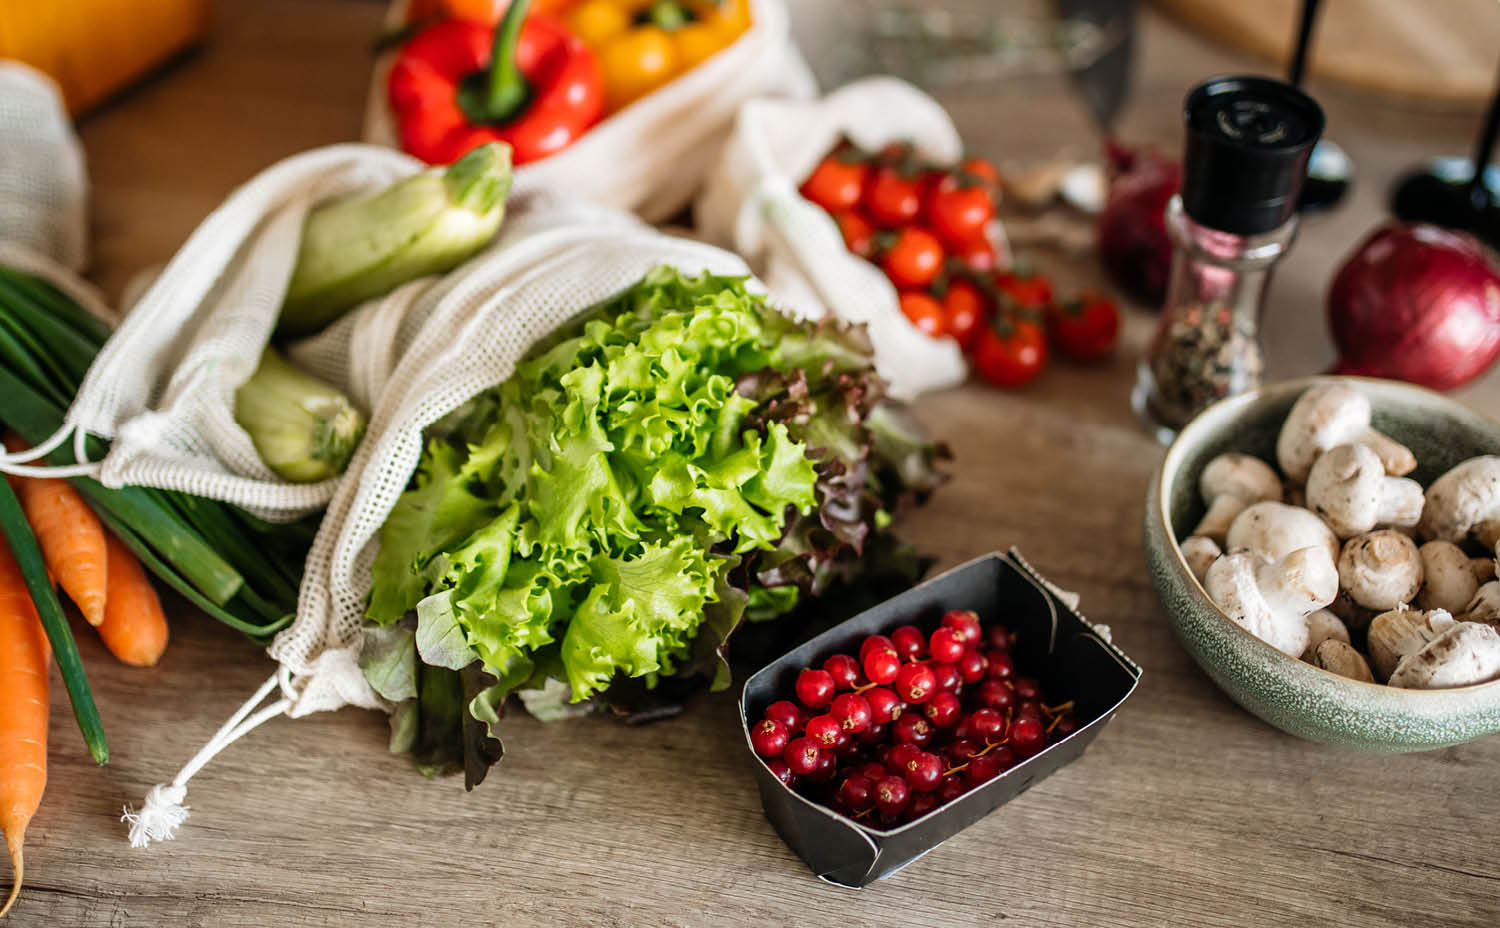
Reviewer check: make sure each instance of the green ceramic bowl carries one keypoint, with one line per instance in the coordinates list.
(1298, 698)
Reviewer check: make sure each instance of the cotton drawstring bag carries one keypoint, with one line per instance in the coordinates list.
(651, 156)
(750, 203)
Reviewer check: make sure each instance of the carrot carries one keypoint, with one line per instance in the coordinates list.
(23, 714)
(134, 627)
(71, 537)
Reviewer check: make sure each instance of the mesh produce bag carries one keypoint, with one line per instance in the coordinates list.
(750, 203)
(651, 156)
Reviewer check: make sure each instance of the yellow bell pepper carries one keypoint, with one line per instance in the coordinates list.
(643, 44)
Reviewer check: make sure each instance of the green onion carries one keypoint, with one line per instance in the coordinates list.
(29, 557)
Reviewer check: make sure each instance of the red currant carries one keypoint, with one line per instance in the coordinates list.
(965, 623)
(825, 730)
(1005, 757)
(826, 770)
(873, 770)
(960, 750)
(982, 768)
(920, 805)
(769, 738)
(998, 636)
(912, 729)
(873, 643)
(786, 712)
(996, 694)
(972, 666)
(1028, 690)
(987, 723)
(943, 710)
(885, 705)
(1027, 736)
(1066, 725)
(897, 757)
(891, 795)
(1030, 709)
(910, 643)
(852, 712)
(1001, 666)
(964, 730)
(945, 645)
(952, 787)
(923, 772)
(947, 676)
(815, 688)
(844, 670)
(874, 734)
(882, 665)
(802, 755)
(782, 772)
(847, 748)
(856, 793)
(915, 683)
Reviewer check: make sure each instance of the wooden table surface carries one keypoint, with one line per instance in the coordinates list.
(1186, 811)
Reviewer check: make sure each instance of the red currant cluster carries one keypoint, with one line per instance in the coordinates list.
(914, 723)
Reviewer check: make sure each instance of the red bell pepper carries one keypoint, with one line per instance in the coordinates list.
(526, 82)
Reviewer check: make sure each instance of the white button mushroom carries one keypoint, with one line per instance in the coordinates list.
(1465, 654)
(1199, 552)
(1449, 581)
(1229, 483)
(1463, 502)
(1380, 570)
(1349, 488)
(1321, 626)
(1272, 601)
(1274, 530)
(1340, 657)
(1484, 606)
(1395, 634)
(1327, 416)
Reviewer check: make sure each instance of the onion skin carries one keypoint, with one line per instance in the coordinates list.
(1133, 243)
(1418, 303)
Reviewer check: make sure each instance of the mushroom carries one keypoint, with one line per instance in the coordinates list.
(1463, 502)
(1321, 626)
(1465, 654)
(1327, 416)
(1349, 488)
(1340, 657)
(1484, 606)
(1272, 600)
(1229, 483)
(1400, 632)
(1449, 578)
(1200, 553)
(1380, 570)
(1350, 612)
(1274, 530)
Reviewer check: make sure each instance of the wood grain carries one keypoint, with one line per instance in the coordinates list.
(1187, 811)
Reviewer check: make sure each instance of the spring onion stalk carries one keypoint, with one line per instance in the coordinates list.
(304, 429)
(360, 248)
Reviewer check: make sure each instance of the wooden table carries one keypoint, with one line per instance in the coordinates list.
(1187, 811)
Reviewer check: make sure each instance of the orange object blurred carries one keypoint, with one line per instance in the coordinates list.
(93, 48)
(485, 11)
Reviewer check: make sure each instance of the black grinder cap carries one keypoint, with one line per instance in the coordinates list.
(1248, 143)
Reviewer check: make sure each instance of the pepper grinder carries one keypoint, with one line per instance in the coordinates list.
(1248, 144)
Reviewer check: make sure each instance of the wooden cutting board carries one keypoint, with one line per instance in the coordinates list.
(1440, 50)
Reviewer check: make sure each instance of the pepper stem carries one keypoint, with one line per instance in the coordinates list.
(498, 93)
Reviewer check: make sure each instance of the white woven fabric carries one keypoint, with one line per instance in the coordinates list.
(549, 263)
(652, 155)
(750, 203)
(43, 186)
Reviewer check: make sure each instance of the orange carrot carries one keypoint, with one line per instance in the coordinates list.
(71, 537)
(24, 655)
(134, 627)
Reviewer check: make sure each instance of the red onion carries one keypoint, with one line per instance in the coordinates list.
(1418, 303)
(1133, 242)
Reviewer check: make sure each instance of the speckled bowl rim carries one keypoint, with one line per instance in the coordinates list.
(1222, 415)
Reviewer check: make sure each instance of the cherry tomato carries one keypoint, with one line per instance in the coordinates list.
(1011, 352)
(859, 234)
(978, 255)
(925, 312)
(959, 213)
(1085, 329)
(1029, 291)
(981, 169)
(891, 198)
(836, 184)
(965, 313)
(914, 260)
